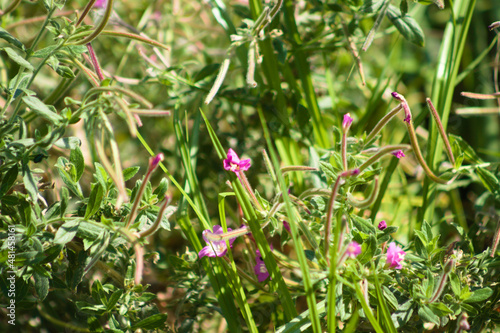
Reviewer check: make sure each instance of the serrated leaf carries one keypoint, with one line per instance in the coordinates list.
(14, 56)
(363, 225)
(328, 170)
(41, 109)
(150, 323)
(406, 25)
(66, 232)
(427, 315)
(161, 189)
(479, 295)
(455, 284)
(368, 249)
(76, 157)
(5, 35)
(470, 154)
(128, 173)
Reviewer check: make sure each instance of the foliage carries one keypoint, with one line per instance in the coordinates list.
(92, 243)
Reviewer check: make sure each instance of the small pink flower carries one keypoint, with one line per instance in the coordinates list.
(398, 153)
(395, 255)
(260, 268)
(100, 3)
(154, 161)
(346, 123)
(234, 164)
(215, 248)
(382, 225)
(353, 249)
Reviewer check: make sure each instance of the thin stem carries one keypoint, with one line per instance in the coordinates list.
(495, 240)
(366, 202)
(329, 215)
(383, 151)
(382, 123)
(244, 180)
(95, 62)
(85, 12)
(133, 211)
(441, 130)
(344, 150)
(155, 226)
(100, 27)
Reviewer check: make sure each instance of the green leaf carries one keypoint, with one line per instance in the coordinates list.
(14, 56)
(9, 179)
(41, 285)
(41, 109)
(440, 309)
(65, 71)
(328, 170)
(76, 157)
(427, 315)
(4, 34)
(363, 225)
(161, 189)
(455, 284)
(406, 25)
(66, 232)
(128, 173)
(29, 182)
(113, 299)
(95, 200)
(479, 295)
(489, 180)
(71, 142)
(368, 250)
(153, 322)
(470, 154)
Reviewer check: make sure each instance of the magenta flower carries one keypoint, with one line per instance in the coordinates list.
(353, 249)
(234, 164)
(215, 248)
(100, 3)
(260, 268)
(395, 255)
(398, 153)
(346, 123)
(154, 161)
(382, 225)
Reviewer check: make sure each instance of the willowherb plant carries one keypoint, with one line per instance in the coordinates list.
(351, 219)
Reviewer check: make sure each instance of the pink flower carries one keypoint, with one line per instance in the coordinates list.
(260, 268)
(346, 123)
(395, 255)
(234, 164)
(353, 249)
(286, 225)
(215, 248)
(382, 225)
(100, 3)
(398, 153)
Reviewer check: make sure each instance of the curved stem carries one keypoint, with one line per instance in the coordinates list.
(101, 26)
(382, 123)
(384, 151)
(441, 130)
(366, 202)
